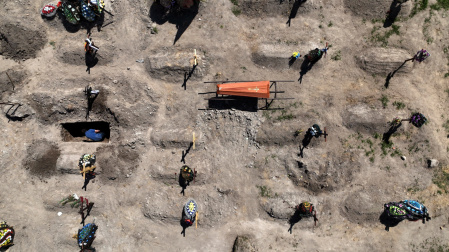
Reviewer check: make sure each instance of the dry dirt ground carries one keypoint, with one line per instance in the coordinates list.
(250, 171)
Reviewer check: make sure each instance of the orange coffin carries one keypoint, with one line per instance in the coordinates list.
(259, 89)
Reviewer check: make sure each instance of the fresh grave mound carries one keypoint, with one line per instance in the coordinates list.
(41, 158)
(323, 175)
(276, 55)
(361, 207)
(214, 207)
(375, 9)
(175, 65)
(51, 108)
(78, 57)
(117, 163)
(75, 132)
(364, 119)
(20, 43)
(380, 60)
(276, 208)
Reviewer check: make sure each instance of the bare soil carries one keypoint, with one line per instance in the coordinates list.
(252, 169)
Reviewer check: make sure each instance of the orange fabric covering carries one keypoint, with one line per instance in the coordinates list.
(259, 89)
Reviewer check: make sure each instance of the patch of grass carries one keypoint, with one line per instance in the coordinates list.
(396, 152)
(414, 188)
(320, 26)
(423, 5)
(431, 244)
(375, 20)
(395, 29)
(336, 56)
(369, 142)
(52, 43)
(385, 147)
(446, 75)
(330, 24)
(446, 126)
(398, 105)
(376, 135)
(440, 4)
(235, 2)
(384, 100)
(379, 37)
(266, 114)
(236, 10)
(425, 28)
(418, 6)
(441, 179)
(371, 159)
(285, 116)
(155, 30)
(264, 191)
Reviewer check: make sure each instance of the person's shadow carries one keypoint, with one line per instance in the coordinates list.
(183, 183)
(293, 220)
(184, 21)
(182, 18)
(306, 66)
(391, 74)
(91, 60)
(90, 102)
(183, 224)
(294, 10)
(184, 154)
(388, 221)
(392, 13)
(291, 61)
(187, 77)
(305, 142)
(387, 135)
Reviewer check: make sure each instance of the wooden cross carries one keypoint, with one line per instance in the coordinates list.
(195, 62)
(88, 169)
(194, 140)
(325, 134)
(196, 219)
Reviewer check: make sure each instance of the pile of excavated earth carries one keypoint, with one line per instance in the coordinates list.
(252, 169)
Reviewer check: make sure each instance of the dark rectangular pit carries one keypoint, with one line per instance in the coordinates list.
(73, 132)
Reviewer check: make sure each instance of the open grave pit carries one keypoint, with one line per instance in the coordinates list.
(75, 132)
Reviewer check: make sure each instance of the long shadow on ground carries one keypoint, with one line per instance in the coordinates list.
(293, 220)
(181, 18)
(294, 10)
(306, 66)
